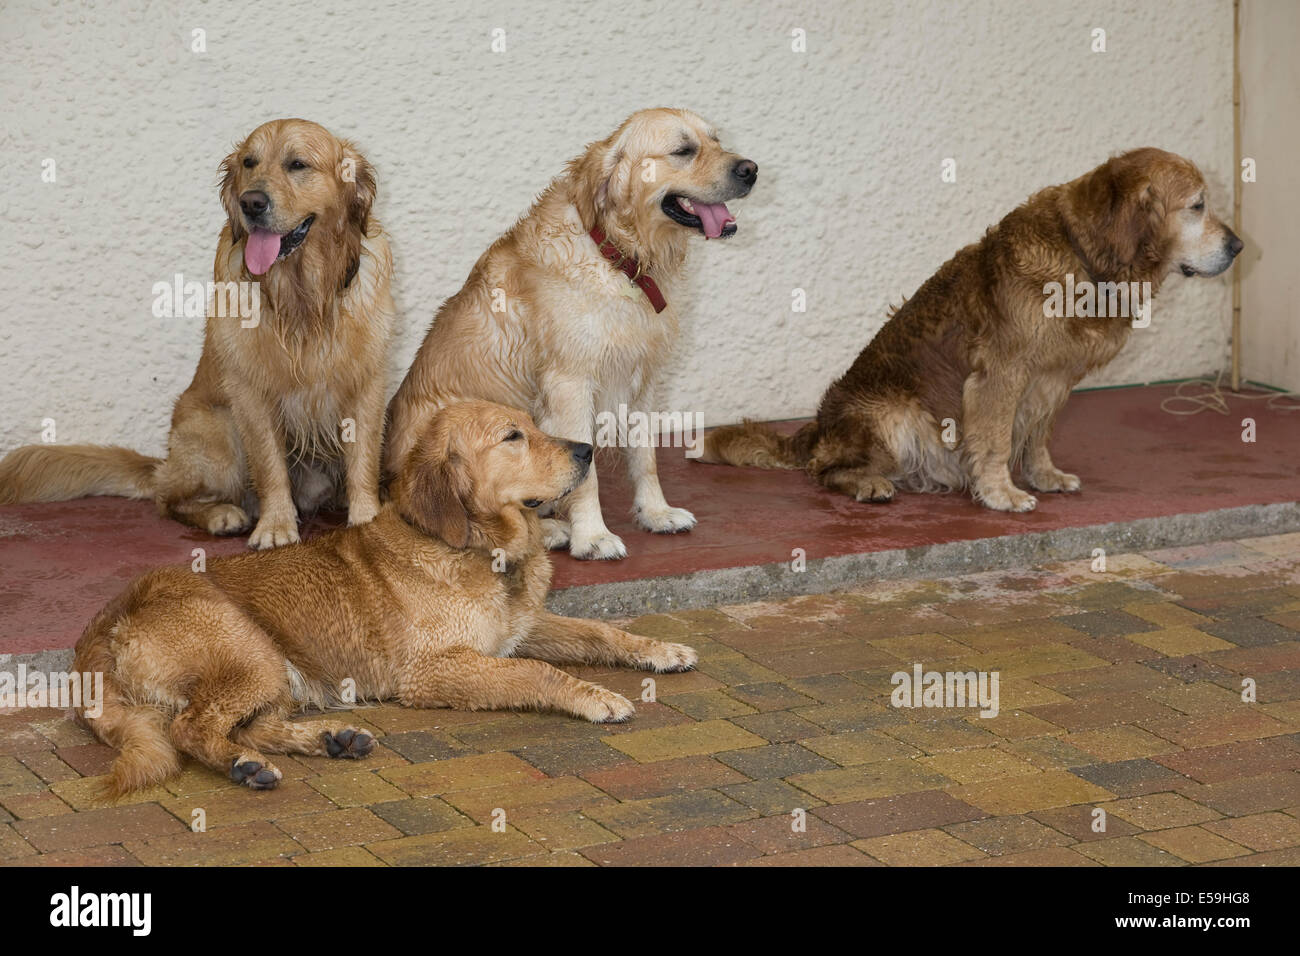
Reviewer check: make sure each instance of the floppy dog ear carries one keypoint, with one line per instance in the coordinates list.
(229, 171)
(1117, 215)
(434, 496)
(359, 180)
(593, 173)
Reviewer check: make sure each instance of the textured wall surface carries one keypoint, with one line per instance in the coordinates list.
(849, 136)
(1270, 206)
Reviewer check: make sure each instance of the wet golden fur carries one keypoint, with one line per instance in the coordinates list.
(438, 602)
(974, 346)
(259, 432)
(546, 324)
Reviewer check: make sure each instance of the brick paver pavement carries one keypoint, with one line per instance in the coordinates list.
(1120, 691)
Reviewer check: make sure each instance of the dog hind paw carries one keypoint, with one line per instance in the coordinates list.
(348, 743)
(255, 774)
(226, 519)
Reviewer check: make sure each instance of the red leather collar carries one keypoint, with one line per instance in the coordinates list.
(629, 268)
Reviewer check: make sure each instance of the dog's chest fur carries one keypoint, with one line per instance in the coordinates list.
(603, 327)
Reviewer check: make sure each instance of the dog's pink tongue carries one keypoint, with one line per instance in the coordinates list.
(713, 216)
(260, 250)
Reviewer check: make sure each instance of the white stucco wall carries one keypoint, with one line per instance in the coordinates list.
(849, 137)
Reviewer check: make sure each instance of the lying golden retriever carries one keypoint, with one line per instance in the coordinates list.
(285, 398)
(438, 602)
(573, 311)
(965, 380)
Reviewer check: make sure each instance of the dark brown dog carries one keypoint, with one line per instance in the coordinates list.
(965, 380)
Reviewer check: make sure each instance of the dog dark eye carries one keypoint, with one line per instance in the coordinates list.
(684, 151)
(1199, 206)
(297, 164)
(515, 435)
(249, 162)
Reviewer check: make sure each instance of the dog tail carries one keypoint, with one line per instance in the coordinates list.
(140, 732)
(60, 473)
(758, 446)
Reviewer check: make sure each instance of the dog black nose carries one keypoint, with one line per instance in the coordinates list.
(746, 171)
(582, 453)
(1235, 245)
(254, 203)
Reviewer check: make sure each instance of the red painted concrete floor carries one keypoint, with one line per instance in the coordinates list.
(59, 563)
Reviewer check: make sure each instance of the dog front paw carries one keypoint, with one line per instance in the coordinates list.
(603, 706)
(363, 512)
(555, 533)
(226, 519)
(668, 658)
(1053, 480)
(273, 532)
(605, 546)
(1007, 498)
(665, 520)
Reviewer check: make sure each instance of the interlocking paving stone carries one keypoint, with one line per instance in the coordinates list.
(420, 746)
(706, 737)
(838, 855)
(338, 828)
(871, 818)
(233, 845)
(459, 847)
(1120, 701)
(998, 836)
(774, 760)
(919, 848)
(1194, 844)
(1042, 791)
(97, 827)
(1107, 623)
(709, 846)
(788, 833)
(1159, 811)
(770, 796)
(1260, 831)
(677, 811)
(418, 815)
(637, 781)
(1128, 851)
(1237, 798)
(1129, 778)
(779, 726)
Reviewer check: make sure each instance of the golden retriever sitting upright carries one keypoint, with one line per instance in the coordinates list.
(301, 380)
(985, 345)
(438, 602)
(574, 310)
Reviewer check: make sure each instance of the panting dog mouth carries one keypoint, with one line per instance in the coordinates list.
(711, 218)
(264, 248)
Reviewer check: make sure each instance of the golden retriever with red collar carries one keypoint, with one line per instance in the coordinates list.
(574, 310)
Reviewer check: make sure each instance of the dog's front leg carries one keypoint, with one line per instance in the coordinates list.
(264, 450)
(361, 452)
(464, 679)
(989, 404)
(653, 512)
(568, 412)
(571, 640)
